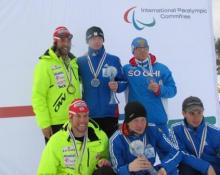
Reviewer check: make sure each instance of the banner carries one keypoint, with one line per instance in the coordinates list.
(179, 33)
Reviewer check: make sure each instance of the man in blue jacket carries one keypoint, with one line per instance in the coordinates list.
(97, 69)
(148, 82)
(195, 137)
(133, 149)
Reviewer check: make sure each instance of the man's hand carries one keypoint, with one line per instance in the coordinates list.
(139, 164)
(103, 162)
(47, 132)
(162, 171)
(153, 86)
(113, 85)
(211, 170)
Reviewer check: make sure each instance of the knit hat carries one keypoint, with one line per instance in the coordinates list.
(192, 104)
(139, 42)
(94, 31)
(132, 110)
(61, 32)
(77, 106)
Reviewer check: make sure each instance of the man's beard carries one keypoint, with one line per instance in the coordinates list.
(63, 51)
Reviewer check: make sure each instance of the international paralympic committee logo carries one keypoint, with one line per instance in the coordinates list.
(138, 24)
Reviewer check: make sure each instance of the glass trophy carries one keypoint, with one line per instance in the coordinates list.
(112, 72)
(137, 148)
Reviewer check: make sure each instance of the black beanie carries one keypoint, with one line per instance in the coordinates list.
(94, 31)
(134, 110)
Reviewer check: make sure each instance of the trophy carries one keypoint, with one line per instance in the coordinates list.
(149, 151)
(112, 72)
(137, 148)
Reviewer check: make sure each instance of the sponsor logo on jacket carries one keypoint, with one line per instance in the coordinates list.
(69, 160)
(59, 102)
(68, 148)
(55, 67)
(146, 73)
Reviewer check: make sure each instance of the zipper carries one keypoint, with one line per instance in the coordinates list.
(88, 157)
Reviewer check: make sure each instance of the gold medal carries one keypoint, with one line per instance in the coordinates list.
(71, 89)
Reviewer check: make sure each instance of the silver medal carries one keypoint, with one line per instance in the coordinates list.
(95, 82)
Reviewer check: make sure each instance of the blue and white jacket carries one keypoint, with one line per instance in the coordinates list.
(97, 98)
(156, 141)
(138, 75)
(211, 152)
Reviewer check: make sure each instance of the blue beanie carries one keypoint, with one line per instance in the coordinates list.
(139, 42)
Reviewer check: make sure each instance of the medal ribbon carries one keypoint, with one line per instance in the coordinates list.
(68, 73)
(144, 68)
(202, 142)
(79, 156)
(96, 73)
(150, 66)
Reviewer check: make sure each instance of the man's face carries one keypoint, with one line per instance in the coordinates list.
(79, 122)
(64, 46)
(138, 125)
(194, 118)
(95, 42)
(141, 53)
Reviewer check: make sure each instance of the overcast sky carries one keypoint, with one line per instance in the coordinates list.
(216, 17)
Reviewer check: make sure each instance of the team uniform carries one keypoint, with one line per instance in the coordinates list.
(206, 145)
(138, 75)
(154, 140)
(98, 98)
(51, 95)
(60, 155)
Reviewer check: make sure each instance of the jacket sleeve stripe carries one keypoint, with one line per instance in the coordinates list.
(172, 157)
(173, 139)
(112, 155)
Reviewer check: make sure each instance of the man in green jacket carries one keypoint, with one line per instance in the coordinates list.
(56, 84)
(79, 148)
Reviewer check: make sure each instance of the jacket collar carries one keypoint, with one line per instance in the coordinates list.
(133, 60)
(96, 53)
(91, 131)
(198, 129)
(52, 52)
(133, 136)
